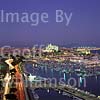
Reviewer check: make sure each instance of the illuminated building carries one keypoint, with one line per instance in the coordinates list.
(51, 48)
(83, 51)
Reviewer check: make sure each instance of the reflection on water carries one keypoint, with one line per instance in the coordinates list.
(92, 83)
(51, 95)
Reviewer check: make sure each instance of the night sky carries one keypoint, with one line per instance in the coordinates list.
(84, 27)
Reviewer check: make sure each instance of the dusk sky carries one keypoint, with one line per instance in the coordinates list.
(84, 26)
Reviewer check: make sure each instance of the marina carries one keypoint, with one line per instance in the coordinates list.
(48, 73)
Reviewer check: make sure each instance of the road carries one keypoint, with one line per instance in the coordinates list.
(20, 86)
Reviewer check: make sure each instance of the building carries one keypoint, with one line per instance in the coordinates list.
(51, 48)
